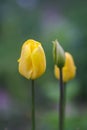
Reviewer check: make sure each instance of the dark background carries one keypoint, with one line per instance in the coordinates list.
(43, 21)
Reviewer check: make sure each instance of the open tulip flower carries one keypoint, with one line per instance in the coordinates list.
(32, 62)
(69, 69)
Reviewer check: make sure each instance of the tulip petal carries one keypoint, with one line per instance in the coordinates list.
(25, 63)
(38, 62)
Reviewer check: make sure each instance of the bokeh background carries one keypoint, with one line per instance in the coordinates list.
(44, 21)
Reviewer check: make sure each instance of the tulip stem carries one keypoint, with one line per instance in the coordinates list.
(64, 98)
(61, 103)
(33, 106)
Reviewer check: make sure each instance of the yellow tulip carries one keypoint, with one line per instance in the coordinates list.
(69, 69)
(32, 62)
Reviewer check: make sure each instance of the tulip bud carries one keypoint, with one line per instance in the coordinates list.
(58, 54)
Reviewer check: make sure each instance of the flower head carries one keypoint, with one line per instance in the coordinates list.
(32, 62)
(69, 69)
(58, 54)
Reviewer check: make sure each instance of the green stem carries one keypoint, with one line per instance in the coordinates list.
(61, 105)
(33, 106)
(64, 102)
(64, 98)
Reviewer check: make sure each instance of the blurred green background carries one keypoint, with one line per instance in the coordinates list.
(44, 21)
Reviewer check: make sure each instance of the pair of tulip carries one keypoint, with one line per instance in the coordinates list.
(32, 62)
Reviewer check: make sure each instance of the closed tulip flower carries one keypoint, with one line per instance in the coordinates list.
(58, 54)
(69, 69)
(32, 62)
